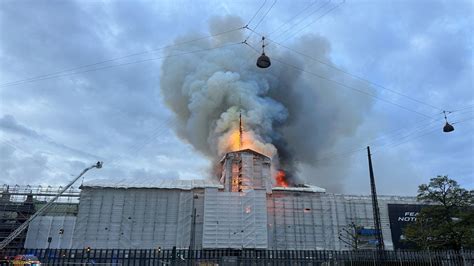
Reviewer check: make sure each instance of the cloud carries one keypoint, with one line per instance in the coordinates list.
(8, 123)
(117, 114)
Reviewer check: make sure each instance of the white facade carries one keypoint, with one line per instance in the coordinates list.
(133, 218)
(235, 219)
(242, 211)
(43, 227)
(156, 217)
(308, 221)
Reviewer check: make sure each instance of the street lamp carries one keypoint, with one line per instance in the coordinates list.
(263, 61)
(447, 127)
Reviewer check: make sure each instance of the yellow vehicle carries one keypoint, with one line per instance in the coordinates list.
(26, 260)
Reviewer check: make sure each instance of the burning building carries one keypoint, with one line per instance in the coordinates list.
(254, 201)
(244, 170)
(244, 209)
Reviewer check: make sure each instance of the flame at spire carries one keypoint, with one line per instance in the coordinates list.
(241, 131)
(239, 139)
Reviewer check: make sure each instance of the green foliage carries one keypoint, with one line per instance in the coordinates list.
(448, 223)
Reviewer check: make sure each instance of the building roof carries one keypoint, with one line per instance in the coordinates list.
(152, 183)
(247, 151)
(178, 184)
(302, 188)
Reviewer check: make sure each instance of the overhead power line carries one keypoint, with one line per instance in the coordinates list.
(397, 134)
(122, 64)
(348, 73)
(395, 144)
(462, 109)
(312, 22)
(416, 133)
(158, 131)
(303, 19)
(373, 142)
(40, 163)
(260, 21)
(344, 85)
(67, 71)
(254, 15)
(462, 121)
(306, 8)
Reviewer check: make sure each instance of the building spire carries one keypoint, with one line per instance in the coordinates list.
(241, 130)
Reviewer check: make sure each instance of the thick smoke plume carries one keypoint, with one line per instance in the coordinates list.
(293, 117)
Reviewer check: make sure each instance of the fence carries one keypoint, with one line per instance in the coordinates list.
(242, 257)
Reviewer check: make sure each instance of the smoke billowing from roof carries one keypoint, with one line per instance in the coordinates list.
(291, 116)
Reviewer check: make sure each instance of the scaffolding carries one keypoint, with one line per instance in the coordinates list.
(244, 170)
(19, 193)
(18, 203)
(307, 221)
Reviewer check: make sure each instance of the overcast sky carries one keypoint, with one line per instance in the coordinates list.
(51, 127)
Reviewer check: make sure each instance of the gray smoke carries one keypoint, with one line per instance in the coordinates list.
(290, 115)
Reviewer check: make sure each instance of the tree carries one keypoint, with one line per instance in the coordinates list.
(448, 221)
(349, 236)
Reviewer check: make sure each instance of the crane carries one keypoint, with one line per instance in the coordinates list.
(43, 209)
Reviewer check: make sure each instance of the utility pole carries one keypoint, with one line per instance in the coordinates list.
(375, 205)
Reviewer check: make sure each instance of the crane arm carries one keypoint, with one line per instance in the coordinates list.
(45, 207)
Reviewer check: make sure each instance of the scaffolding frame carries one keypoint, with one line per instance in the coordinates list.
(19, 202)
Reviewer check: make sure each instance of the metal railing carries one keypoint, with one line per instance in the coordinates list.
(243, 257)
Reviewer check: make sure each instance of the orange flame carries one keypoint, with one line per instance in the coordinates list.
(280, 179)
(249, 141)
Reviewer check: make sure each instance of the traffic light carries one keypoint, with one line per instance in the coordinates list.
(88, 249)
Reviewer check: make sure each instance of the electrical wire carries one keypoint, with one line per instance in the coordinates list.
(260, 21)
(425, 132)
(392, 145)
(312, 22)
(303, 19)
(431, 126)
(158, 131)
(344, 85)
(462, 109)
(412, 135)
(254, 15)
(124, 64)
(350, 74)
(54, 74)
(462, 121)
(353, 150)
(461, 112)
(402, 131)
(14, 146)
(339, 155)
(341, 70)
(294, 17)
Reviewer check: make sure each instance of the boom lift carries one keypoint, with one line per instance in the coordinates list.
(43, 209)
